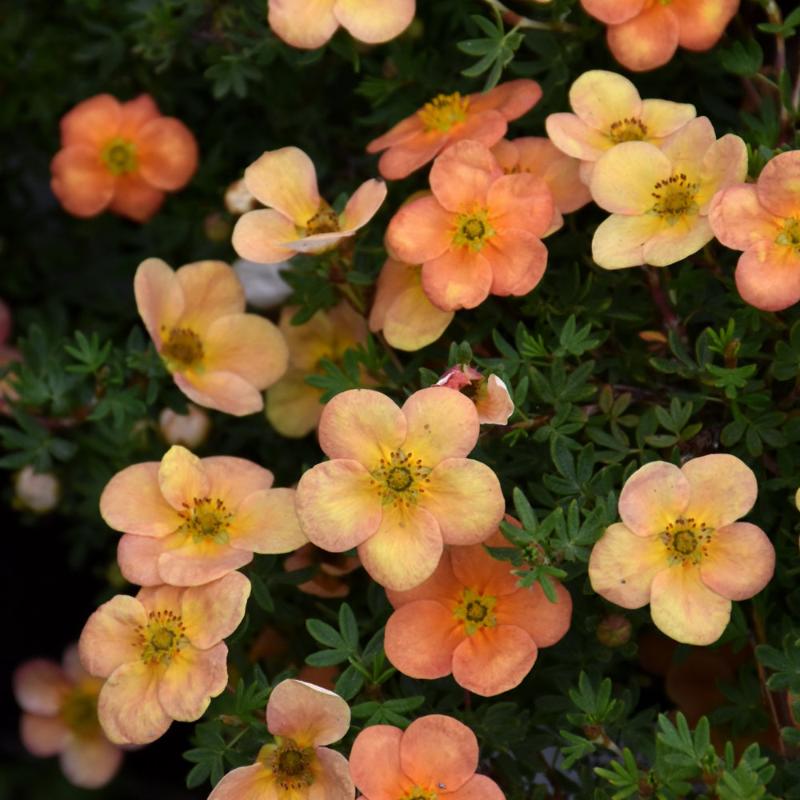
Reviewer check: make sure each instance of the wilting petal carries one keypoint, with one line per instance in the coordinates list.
(600, 98)
(159, 297)
(466, 499)
(624, 178)
(333, 780)
(40, 686)
(529, 609)
(80, 181)
(43, 736)
(303, 23)
(192, 678)
(769, 277)
(494, 660)
(622, 566)
(375, 763)
(266, 522)
(338, 505)
(420, 231)
(374, 23)
(673, 243)
(738, 219)
(308, 714)
(459, 278)
(90, 763)
(654, 496)
(723, 489)
(262, 235)
(646, 41)
(686, 610)
(363, 205)
(109, 637)
(212, 612)
(285, 179)
(460, 177)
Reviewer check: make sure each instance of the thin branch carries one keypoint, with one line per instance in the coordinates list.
(525, 22)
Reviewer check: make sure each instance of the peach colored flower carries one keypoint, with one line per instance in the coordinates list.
(490, 395)
(219, 356)
(644, 34)
(328, 581)
(309, 25)
(538, 156)
(60, 718)
(401, 308)
(238, 199)
(398, 485)
(297, 219)
(294, 406)
(450, 118)
(120, 156)
(472, 619)
(660, 197)
(680, 548)
(190, 429)
(303, 718)
(162, 654)
(764, 221)
(435, 758)
(479, 233)
(38, 492)
(188, 521)
(609, 111)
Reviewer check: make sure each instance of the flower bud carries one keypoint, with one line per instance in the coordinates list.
(189, 430)
(36, 491)
(614, 631)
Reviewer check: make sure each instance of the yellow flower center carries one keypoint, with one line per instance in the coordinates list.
(119, 155)
(324, 221)
(206, 519)
(181, 349)
(629, 129)
(675, 198)
(290, 765)
(686, 540)
(476, 611)
(79, 711)
(790, 233)
(444, 111)
(400, 479)
(162, 637)
(473, 229)
(418, 793)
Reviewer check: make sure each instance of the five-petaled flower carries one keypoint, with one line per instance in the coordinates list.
(450, 118)
(644, 34)
(435, 758)
(398, 485)
(764, 221)
(60, 718)
(303, 719)
(162, 655)
(478, 233)
(660, 196)
(219, 356)
(680, 548)
(189, 521)
(472, 619)
(120, 156)
(297, 219)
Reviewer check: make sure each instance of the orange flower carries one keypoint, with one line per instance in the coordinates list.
(309, 25)
(644, 34)
(660, 197)
(764, 221)
(297, 219)
(490, 395)
(60, 705)
(401, 308)
(450, 118)
(162, 654)
(680, 548)
(303, 718)
(435, 758)
(120, 156)
(332, 567)
(294, 406)
(479, 233)
(188, 521)
(219, 356)
(472, 619)
(538, 156)
(398, 485)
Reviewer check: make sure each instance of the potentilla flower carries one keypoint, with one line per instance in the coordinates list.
(162, 655)
(490, 394)
(332, 569)
(219, 356)
(450, 118)
(644, 34)
(435, 758)
(608, 111)
(478, 233)
(60, 718)
(538, 156)
(294, 406)
(763, 220)
(188, 521)
(120, 156)
(303, 719)
(472, 619)
(189, 429)
(398, 485)
(680, 548)
(660, 196)
(297, 219)
(309, 25)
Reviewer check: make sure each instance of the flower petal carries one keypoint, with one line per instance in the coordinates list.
(167, 153)
(702, 24)
(738, 219)
(224, 391)
(511, 99)
(663, 117)
(478, 787)
(575, 138)
(459, 278)
(307, 713)
(135, 198)
(266, 522)
(647, 40)
(286, 179)
(442, 586)
(613, 12)
(90, 763)
(333, 779)
(372, 23)
(600, 98)
(181, 477)
(724, 164)
(212, 612)
(109, 638)
(530, 609)
(81, 182)
(673, 243)
(769, 277)
(43, 736)
(522, 201)
(211, 289)
(246, 783)
(723, 489)
(92, 122)
(420, 231)
(619, 240)
(653, 497)
(690, 144)
(40, 686)
(307, 24)
(234, 479)
(159, 297)
(375, 763)
(262, 235)
(461, 176)
(518, 260)
(363, 205)
(137, 558)
(477, 570)
(293, 406)
(416, 150)
(192, 678)
(778, 184)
